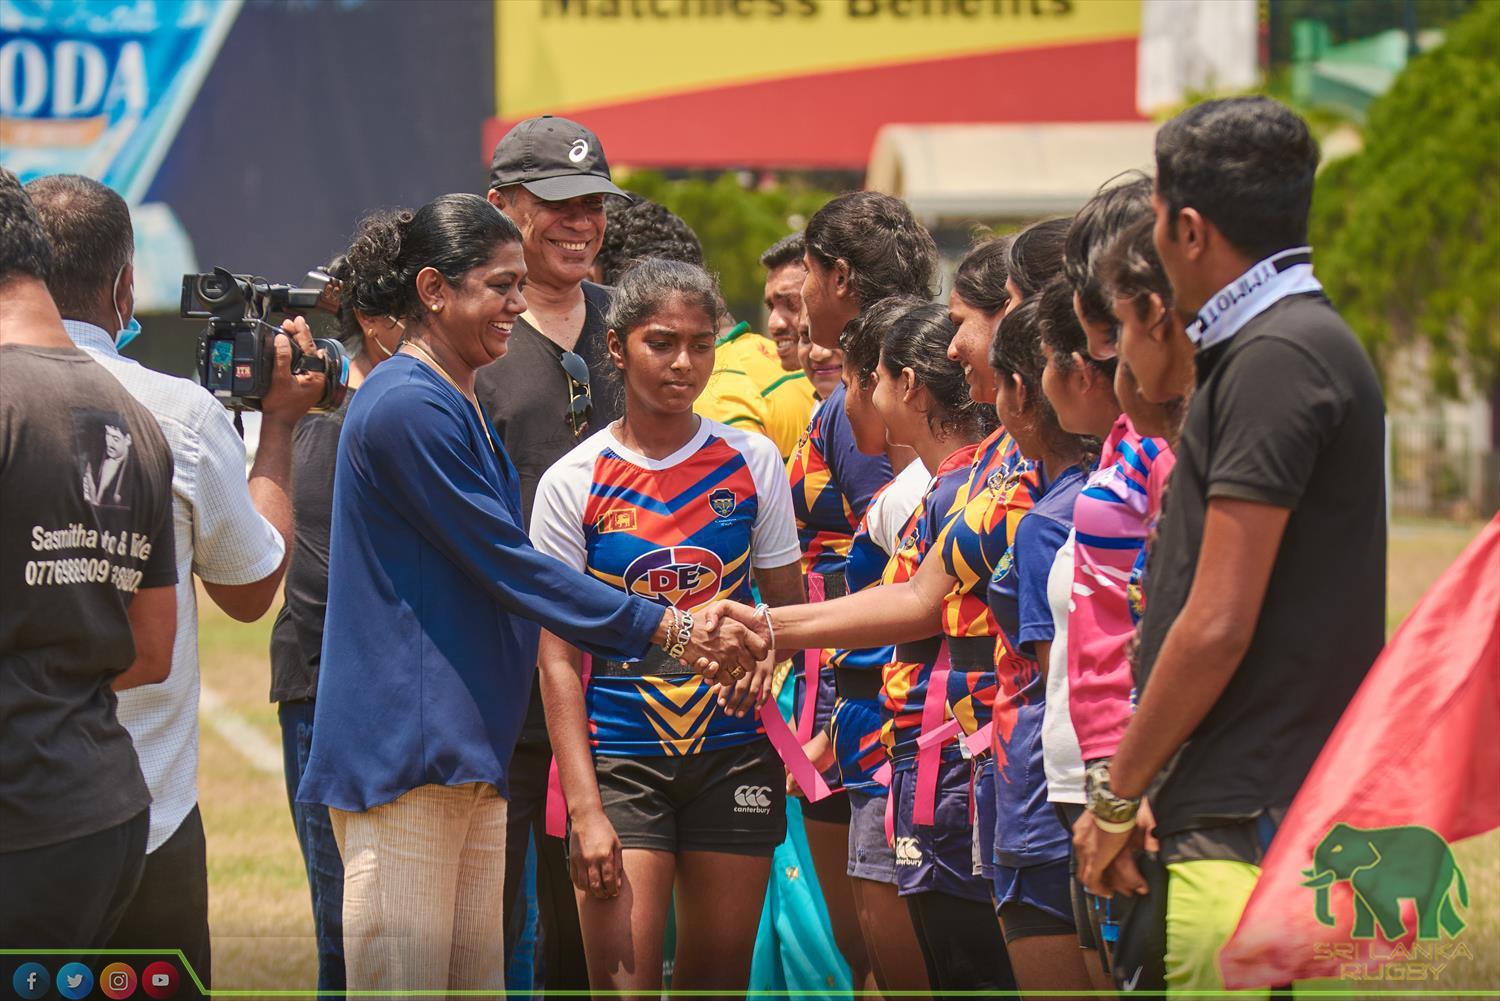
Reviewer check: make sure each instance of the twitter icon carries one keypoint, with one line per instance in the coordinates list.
(75, 981)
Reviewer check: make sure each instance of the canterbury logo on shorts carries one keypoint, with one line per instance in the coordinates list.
(907, 852)
(752, 799)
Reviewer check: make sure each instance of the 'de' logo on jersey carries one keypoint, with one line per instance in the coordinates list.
(684, 576)
(723, 502)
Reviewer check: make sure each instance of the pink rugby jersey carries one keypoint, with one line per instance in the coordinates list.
(1112, 518)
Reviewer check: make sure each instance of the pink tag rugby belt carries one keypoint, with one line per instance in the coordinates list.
(935, 734)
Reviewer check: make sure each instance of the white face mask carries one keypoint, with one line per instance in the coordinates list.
(126, 332)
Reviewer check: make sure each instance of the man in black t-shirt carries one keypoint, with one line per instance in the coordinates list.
(1265, 590)
(551, 390)
(87, 608)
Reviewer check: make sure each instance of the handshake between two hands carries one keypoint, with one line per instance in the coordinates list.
(731, 648)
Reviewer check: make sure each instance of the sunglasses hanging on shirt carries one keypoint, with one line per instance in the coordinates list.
(581, 400)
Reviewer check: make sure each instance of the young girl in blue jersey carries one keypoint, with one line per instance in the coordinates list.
(860, 248)
(1033, 893)
(924, 399)
(671, 785)
(850, 742)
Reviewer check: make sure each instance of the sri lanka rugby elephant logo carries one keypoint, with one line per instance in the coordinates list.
(1384, 866)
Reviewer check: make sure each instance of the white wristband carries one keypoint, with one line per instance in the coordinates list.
(1114, 826)
(764, 611)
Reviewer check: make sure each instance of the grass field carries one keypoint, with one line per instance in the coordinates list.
(258, 899)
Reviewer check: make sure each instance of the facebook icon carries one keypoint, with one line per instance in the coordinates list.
(31, 981)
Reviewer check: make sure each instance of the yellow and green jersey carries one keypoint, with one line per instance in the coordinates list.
(749, 389)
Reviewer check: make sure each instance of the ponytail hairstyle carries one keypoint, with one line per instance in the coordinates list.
(1017, 351)
(1036, 255)
(452, 233)
(980, 279)
(1131, 269)
(863, 335)
(887, 250)
(918, 339)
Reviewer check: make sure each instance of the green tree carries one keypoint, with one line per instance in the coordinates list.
(1407, 231)
(735, 224)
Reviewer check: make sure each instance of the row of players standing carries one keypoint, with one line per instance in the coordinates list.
(912, 389)
(1197, 284)
(985, 511)
(669, 781)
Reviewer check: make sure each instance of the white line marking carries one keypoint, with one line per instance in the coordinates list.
(248, 742)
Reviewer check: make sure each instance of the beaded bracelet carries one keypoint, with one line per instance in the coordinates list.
(673, 629)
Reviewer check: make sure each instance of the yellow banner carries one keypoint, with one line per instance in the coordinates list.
(566, 54)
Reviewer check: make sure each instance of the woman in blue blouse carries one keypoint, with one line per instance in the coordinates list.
(435, 593)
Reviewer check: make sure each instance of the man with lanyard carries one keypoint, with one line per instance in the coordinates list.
(550, 391)
(1267, 584)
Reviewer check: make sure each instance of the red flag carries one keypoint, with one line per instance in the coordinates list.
(1413, 763)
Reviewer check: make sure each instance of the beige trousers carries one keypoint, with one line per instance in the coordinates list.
(424, 886)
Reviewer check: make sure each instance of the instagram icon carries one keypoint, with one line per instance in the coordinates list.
(117, 980)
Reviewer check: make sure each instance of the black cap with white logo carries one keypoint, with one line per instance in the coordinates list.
(553, 158)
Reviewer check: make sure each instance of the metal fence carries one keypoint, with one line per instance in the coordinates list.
(1442, 470)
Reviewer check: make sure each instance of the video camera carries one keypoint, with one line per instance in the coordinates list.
(237, 351)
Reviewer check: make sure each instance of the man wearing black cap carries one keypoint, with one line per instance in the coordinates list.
(553, 387)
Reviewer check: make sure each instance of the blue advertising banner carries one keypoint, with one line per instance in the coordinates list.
(247, 134)
(100, 87)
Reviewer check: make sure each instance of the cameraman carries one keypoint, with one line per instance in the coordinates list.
(297, 637)
(234, 535)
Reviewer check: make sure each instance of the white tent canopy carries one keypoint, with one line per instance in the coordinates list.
(1004, 171)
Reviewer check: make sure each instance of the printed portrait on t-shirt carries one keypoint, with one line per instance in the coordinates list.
(103, 444)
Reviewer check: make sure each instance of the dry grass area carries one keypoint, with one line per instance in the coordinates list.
(259, 907)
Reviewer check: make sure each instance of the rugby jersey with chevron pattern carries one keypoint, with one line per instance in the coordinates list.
(855, 726)
(832, 484)
(975, 544)
(904, 687)
(680, 531)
